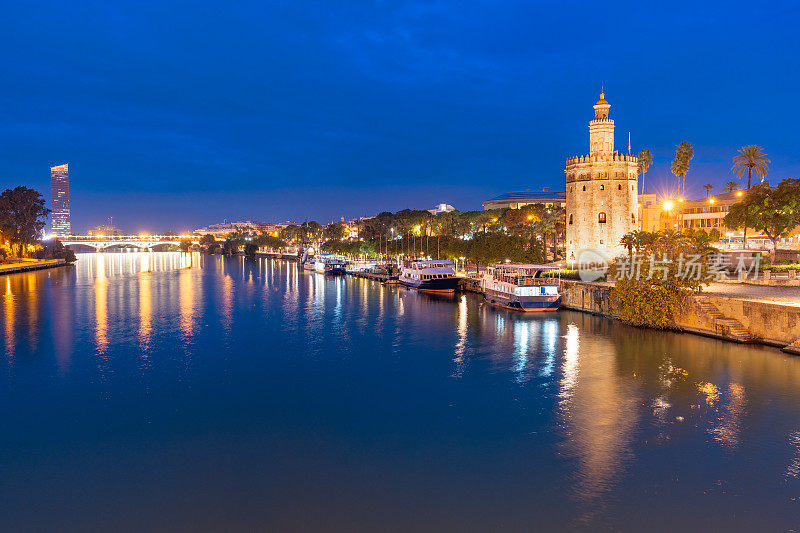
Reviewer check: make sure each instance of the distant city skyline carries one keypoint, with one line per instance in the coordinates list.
(296, 111)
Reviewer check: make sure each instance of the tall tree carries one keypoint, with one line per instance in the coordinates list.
(731, 186)
(751, 159)
(775, 211)
(707, 187)
(645, 160)
(23, 216)
(680, 165)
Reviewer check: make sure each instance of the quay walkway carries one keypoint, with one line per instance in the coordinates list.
(14, 266)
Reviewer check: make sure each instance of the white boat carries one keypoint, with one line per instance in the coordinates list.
(326, 264)
(429, 275)
(521, 287)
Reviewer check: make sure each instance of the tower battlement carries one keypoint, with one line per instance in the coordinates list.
(601, 158)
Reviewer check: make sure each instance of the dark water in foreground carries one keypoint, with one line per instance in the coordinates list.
(156, 391)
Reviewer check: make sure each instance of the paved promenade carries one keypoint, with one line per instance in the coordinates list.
(24, 265)
(756, 293)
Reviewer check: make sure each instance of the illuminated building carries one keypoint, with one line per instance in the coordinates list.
(107, 230)
(442, 208)
(519, 199)
(59, 200)
(602, 197)
(221, 231)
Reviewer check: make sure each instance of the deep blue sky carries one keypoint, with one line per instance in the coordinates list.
(179, 114)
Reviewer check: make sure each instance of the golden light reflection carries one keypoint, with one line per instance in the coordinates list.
(710, 391)
(101, 304)
(186, 299)
(732, 414)
(10, 318)
(145, 311)
(30, 282)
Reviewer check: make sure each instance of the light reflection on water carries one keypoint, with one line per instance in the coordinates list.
(378, 395)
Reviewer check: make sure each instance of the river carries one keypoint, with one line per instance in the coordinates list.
(164, 390)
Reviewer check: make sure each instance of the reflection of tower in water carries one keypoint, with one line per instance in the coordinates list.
(599, 412)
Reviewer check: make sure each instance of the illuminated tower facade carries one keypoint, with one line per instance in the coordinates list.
(602, 195)
(59, 200)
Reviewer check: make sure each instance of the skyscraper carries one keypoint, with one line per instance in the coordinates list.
(59, 200)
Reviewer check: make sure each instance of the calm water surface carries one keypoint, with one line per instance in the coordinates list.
(155, 391)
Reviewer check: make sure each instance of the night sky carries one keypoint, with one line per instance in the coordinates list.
(175, 115)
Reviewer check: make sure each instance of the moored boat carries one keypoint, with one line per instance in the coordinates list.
(429, 275)
(326, 264)
(521, 287)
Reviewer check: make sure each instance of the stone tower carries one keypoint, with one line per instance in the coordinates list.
(602, 195)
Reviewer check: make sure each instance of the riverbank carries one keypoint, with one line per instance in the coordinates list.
(738, 318)
(16, 265)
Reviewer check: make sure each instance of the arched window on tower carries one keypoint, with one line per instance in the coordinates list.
(602, 187)
(601, 218)
(570, 218)
(633, 218)
(619, 187)
(584, 187)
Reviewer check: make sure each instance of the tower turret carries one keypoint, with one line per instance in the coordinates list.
(601, 129)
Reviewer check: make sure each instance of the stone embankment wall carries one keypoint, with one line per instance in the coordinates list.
(717, 316)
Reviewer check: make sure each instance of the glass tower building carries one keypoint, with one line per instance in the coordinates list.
(59, 200)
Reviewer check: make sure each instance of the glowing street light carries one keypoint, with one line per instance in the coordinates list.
(668, 205)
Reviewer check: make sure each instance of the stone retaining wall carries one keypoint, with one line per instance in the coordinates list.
(768, 323)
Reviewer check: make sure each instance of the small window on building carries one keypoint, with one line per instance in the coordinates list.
(633, 218)
(601, 218)
(584, 187)
(619, 187)
(602, 187)
(601, 241)
(570, 219)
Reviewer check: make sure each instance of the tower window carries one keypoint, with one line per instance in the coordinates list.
(602, 187)
(633, 218)
(619, 187)
(584, 187)
(601, 218)
(570, 219)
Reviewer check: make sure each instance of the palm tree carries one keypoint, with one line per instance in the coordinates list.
(680, 165)
(751, 158)
(629, 241)
(731, 186)
(645, 160)
(707, 187)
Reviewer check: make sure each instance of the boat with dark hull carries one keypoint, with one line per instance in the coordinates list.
(326, 264)
(521, 287)
(429, 275)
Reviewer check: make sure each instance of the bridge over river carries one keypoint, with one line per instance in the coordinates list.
(143, 242)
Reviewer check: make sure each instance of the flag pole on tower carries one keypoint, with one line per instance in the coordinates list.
(629, 143)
